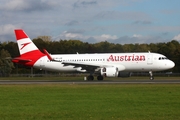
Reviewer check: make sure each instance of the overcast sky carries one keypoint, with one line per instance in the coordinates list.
(116, 21)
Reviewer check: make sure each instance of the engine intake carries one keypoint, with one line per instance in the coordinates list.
(109, 71)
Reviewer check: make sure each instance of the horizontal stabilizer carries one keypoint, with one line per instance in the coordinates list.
(21, 59)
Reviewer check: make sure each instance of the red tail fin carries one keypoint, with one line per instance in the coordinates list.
(29, 53)
(20, 34)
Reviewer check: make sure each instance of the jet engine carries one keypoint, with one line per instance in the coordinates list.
(109, 71)
(79, 69)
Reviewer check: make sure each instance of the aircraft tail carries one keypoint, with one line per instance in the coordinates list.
(29, 53)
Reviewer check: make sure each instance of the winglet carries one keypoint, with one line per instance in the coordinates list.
(48, 55)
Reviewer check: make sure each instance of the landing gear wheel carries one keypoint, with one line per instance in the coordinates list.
(99, 77)
(151, 78)
(90, 77)
(151, 75)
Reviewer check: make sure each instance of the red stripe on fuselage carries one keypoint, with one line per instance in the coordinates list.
(20, 34)
(33, 56)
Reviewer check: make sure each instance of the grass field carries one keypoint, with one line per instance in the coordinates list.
(94, 102)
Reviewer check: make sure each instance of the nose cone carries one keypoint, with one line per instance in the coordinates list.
(171, 64)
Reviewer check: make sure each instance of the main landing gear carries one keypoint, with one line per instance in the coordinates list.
(91, 77)
(151, 75)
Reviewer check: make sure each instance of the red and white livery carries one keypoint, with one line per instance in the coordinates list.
(104, 65)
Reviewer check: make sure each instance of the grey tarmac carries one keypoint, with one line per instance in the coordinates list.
(31, 82)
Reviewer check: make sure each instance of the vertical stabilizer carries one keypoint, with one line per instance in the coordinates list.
(29, 53)
(24, 42)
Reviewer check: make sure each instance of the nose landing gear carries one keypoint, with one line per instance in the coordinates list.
(151, 75)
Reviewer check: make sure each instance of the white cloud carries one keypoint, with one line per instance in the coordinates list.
(105, 37)
(26, 5)
(14, 5)
(137, 36)
(86, 20)
(69, 35)
(177, 37)
(7, 29)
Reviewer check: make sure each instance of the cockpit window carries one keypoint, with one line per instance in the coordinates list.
(163, 58)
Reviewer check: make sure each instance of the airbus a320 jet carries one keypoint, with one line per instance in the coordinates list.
(103, 65)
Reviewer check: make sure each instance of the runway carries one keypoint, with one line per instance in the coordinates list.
(30, 82)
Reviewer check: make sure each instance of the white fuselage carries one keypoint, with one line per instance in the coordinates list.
(123, 61)
(106, 64)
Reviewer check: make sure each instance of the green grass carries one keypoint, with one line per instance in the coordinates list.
(94, 102)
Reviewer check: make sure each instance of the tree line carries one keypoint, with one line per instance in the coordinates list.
(10, 50)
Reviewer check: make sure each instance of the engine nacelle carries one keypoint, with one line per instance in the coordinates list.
(109, 71)
(79, 69)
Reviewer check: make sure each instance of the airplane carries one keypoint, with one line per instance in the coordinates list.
(103, 65)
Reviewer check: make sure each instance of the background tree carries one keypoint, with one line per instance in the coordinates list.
(6, 65)
(12, 48)
(40, 43)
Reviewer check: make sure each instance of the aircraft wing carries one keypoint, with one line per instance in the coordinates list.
(86, 66)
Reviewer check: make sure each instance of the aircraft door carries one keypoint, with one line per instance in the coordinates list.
(150, 59)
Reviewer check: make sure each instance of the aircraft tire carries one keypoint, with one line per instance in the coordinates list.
(151, 78)
(99, 77)
(90, 78)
